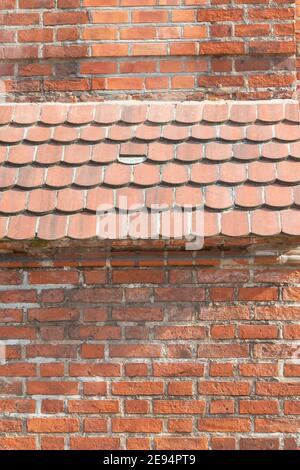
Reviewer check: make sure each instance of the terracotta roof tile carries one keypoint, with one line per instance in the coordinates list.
(288, 172)
(261, 172)
(65, 134)
(41, 201)
(174, 174)
(52, 227)
(246, 151)
(160, 152)
(92, 133)
(100, 198)
(133, 149)
(12, 202)
(272, 113)
(88, 175)
(146, 174)
(188, 113)
(176, 133)
(104, 152)
(134, 114)
(117, 175)
(6, 114)
(259, 133)
(48, 154)
(289, 132)
(296, 191)
(76, 154)
(204, 173)
(3, 226)
(8, 176)
(31, 177)
(203, 132)
(243, 113)
(39, 134)
(59, 176)
(292, 112)
(290, 221)
(129, 199)
(189, 152)
(231, 133)
(63, 165)
(235, 223)
(218, 151)
(54, 114)
(159, 196)
(211, 223)
(161, 113)
(79, 114)
(11, 134)
(21, 154)
(107, 113)
(82, 226)
(147, 132)
(232, 173)
(265, 222)
(216, 112)
(26, 114)
(279, 196)
(295, 150)
(22, 227)
(70, 200)
(249, 196)
(188, 196)
(275, 150)
(120, 133)
(3, 154)
(218, 197)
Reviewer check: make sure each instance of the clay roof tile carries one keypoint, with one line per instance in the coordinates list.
(64, 165)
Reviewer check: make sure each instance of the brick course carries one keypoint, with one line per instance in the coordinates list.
(179, 49)
(112, 355)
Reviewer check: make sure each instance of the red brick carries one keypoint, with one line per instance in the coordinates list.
(93, 406)
(53, 277)
(181, 443)
(180, 425)
(93, 425)
(137, 388)
(178, 407)
(137, 425)
(224, 425)
(53, 425)
(94, 443)
(52, 443)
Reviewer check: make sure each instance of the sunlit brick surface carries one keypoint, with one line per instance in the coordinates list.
(177, 49)
(158, 350)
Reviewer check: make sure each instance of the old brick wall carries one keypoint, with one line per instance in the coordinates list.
(170, 49)
(297, 35)
(138, 351)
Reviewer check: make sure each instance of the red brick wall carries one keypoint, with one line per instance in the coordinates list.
(187, 351)
(297, 33)
(179, 49)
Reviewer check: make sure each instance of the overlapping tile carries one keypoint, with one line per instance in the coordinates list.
(62, 164)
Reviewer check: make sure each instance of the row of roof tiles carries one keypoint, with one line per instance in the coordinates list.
(235, 223)
(145, 174)
(157, 152)
(68, 200)
(138, 112)
(239, 161)
(282, 131)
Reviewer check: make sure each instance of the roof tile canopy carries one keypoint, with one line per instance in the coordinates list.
(60, 162)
